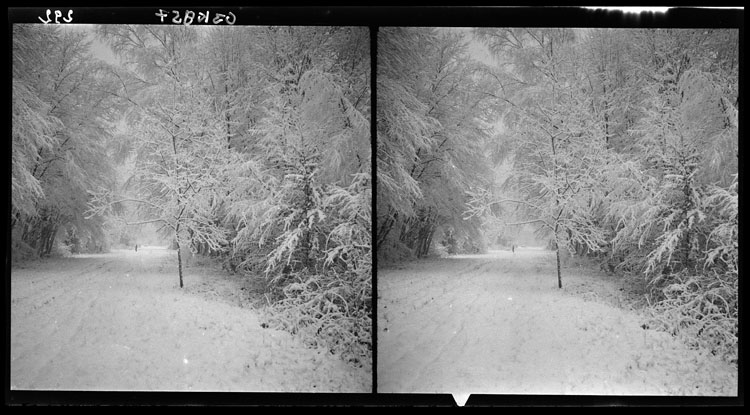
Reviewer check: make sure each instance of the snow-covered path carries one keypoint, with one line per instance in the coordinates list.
(498, 324)
(119, 321)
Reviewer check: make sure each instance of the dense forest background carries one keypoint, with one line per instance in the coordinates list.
(250, 145)
(616, 145)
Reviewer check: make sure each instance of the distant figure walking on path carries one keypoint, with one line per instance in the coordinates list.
(513, 248)
(136, 247)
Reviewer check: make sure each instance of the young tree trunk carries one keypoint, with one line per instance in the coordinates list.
(559, 278)
(51, 240)
(384, 230)
(421, 246)
(405, 234)
(46, 237)
(179, 261)
(557, 255)
(31, 232)
(687, 238)
(429, 240)
(38, 242)
(229, 130)
(179, 252)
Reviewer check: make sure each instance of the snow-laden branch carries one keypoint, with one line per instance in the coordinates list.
(527, 222)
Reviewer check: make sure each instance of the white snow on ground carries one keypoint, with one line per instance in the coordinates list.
(498, 324)
(119, 321)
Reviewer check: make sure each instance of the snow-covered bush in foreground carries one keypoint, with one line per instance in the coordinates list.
(701, 305)
(327, 300)
(702, 311)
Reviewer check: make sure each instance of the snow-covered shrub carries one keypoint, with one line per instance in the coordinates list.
(702, 311)
(470, 245)
(72, 240)
(700, 304)
(331, 311)
(439, 249)
(60, 249)
(449, 242)
(322, 290)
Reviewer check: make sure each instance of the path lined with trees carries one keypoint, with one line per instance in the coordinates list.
(249, 145)
(615, 145)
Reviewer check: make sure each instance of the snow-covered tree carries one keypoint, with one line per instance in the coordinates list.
(182, 159)
(560, 152)
(62, 114)
(623, 145)
(433, 124)
(686, 141)
(304, 222)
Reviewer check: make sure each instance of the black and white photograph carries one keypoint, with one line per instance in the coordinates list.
(190, 207)
(557, 211)
(284, 205)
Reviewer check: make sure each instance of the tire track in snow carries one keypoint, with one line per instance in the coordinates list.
(43, 287)
(120, 322)
(498, 324)
(38, 299)
(61, 327)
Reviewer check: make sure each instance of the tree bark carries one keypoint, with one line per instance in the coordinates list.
(559, 278)
(385, 229)
(50, 240)
(43, 240)
(229, 131)
(429, 240)
(557, 255)
(179, 261)
(179, 252)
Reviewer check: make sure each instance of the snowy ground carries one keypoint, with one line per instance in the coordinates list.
(498, 324)
(119, 321)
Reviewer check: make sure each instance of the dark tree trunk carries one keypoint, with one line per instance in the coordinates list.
(557, 255)
(30, 232)
(43, 239)
(421, 246)
(404, 235)
(425, 228)
(559, 277)
(384, 230)
(179, 252)
(179, 262)
(50, 241)
(429, 240)
(38, 239)
(306, 243)
(229, 131)
(179, 216)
